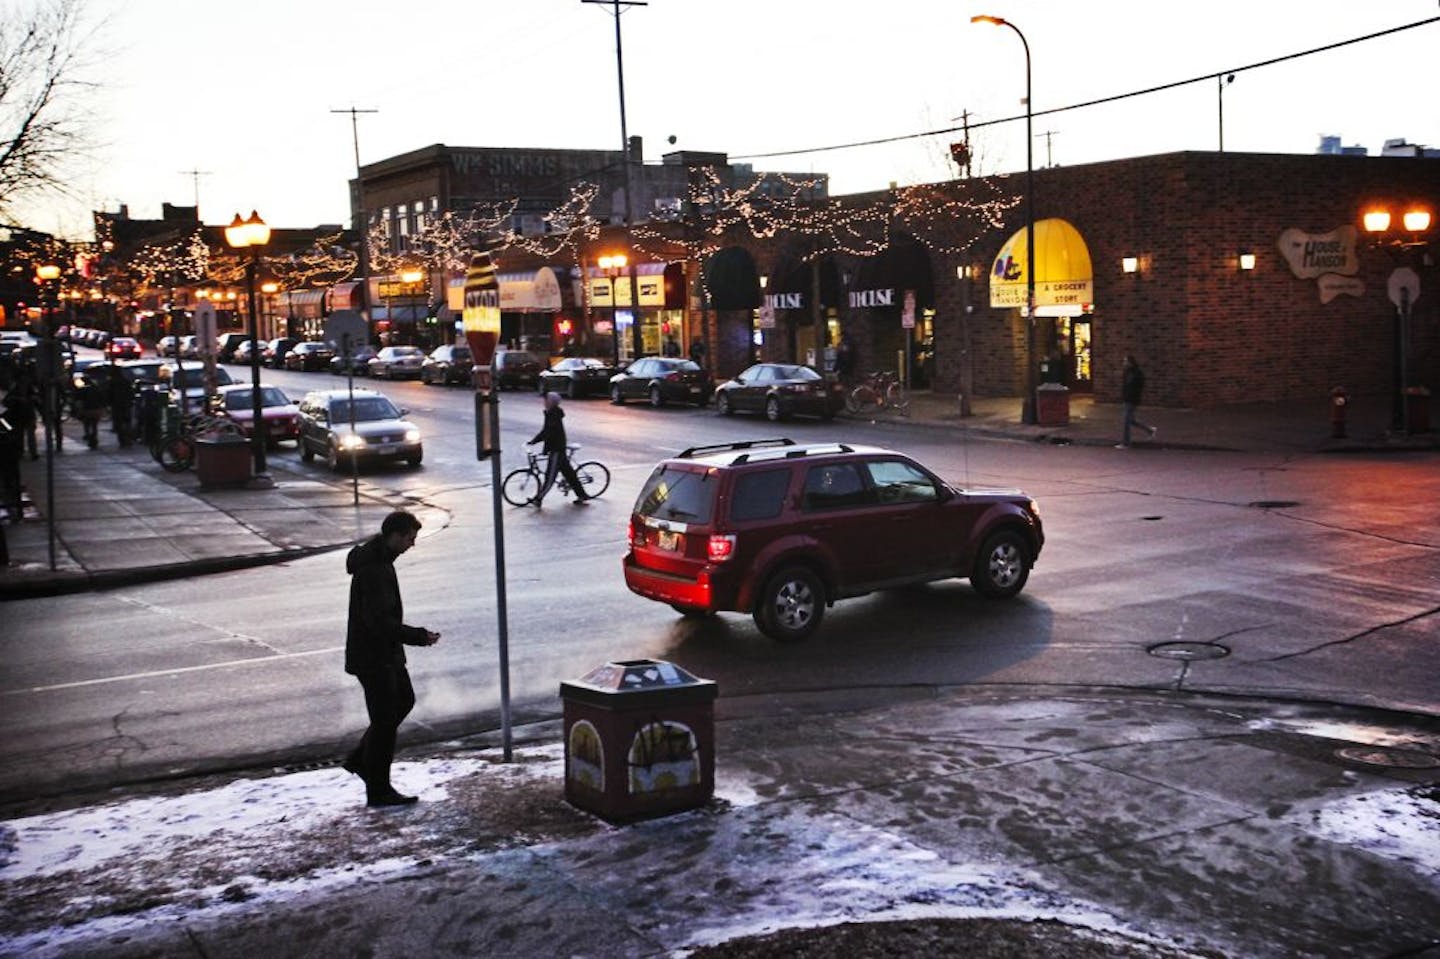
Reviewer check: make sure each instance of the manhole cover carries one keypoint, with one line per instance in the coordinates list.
(1394, 758)
(1273, 503)
(1189, 651)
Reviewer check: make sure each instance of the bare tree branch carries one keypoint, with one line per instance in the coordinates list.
(44, 124)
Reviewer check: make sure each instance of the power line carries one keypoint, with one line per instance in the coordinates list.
(1091, 103)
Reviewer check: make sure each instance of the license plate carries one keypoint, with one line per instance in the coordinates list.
(386, 449)
(666, 539)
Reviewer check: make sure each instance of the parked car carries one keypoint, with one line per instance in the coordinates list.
(123, 348)
(194, 376)
(577, 376)
(397, 362)
(243, 352)
(451, 363)
(227, 344)
(782, 531)
(661, 380)
(189, 347)
(277, 411)
(167, 346)
(274, 352)
(309, 356)
(380, 432)
(779, 390)
(358, 363)
(516, 369)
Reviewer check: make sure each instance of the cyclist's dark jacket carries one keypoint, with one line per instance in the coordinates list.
(553, 432)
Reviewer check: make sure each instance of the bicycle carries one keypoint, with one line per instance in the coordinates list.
(522, 486)
(174, 450)
(882, 390)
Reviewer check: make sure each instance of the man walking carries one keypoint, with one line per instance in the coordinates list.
(557, 449)
(375, 638)
(1132, 390)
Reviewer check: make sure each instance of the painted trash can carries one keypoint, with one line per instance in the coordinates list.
(639, 740)
(222, 460)
(1052, 405)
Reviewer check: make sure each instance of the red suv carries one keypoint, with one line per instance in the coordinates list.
(782, 530)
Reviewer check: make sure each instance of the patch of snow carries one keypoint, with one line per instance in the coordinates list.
(1397, 824)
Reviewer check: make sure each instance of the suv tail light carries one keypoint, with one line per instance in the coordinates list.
(720, 547)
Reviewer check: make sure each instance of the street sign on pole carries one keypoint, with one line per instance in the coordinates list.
(1403, 281)
(907, 314)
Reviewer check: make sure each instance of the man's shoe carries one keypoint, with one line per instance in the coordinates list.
(582, 500)
(1122, 446)
(390, 798)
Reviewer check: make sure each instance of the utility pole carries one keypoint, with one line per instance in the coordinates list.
(1049, 159)
(361, 219)
(196, 175)
(625, 159)
(1222, 80)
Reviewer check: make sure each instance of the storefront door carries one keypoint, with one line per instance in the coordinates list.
(1082, 378)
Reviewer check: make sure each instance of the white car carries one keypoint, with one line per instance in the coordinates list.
(397, 361)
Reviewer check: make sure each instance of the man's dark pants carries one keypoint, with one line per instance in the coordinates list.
(389, 697)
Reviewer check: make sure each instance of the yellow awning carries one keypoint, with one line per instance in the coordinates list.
(1064, 283)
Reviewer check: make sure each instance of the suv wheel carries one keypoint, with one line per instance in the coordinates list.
(332, 458)
(1002, 566)
(657, 399)
(306, 453)
(616, 396)
(772, 410)
(722, 405)
(791, 605)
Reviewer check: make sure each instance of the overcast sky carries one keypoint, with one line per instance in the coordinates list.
(744, 77)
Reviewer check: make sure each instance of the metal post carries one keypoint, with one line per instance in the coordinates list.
(257, 423)
(501, 609)
(1028, 407)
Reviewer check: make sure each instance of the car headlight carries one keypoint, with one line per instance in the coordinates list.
(412, 436)
(350, 441)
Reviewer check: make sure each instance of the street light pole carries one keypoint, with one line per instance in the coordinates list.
(1027, 414)
(49, 276)
(251, 235)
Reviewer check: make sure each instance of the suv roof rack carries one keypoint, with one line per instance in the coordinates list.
(695, 451)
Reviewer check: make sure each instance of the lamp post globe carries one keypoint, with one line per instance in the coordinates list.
(251, 235)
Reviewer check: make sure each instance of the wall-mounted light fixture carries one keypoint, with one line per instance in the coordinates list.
(1247, 261)
(1130, 264)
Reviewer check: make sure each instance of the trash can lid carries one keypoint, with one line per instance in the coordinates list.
(643, 676)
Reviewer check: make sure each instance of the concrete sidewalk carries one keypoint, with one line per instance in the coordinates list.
(120, 518)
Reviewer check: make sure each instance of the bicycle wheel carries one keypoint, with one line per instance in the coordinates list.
(176, 453)
(594, 477)
(859, 398)
(521, 487)
(898, 397)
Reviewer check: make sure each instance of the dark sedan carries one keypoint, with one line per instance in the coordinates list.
(516, 369)
(779, 390)
(359, 362)
(661, 380)
(451, 363)
(578, 376)
(274, 353)
(309, 356)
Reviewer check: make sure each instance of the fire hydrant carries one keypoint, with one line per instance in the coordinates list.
(1339, 403)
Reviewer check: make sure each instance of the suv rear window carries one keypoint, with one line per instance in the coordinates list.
(760, 495)
(679, 495)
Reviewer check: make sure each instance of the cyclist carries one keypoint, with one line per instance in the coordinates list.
(552, 434)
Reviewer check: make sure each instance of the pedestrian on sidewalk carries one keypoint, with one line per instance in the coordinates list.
(375, 641)
(11, 489)
(90, 404)
(122, 402)
(556, 448)
(21, 402)
(1132, 391)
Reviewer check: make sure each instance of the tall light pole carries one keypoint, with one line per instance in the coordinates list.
(1403, 286)
(252, 234)
(48, 276)
(1027, 414)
